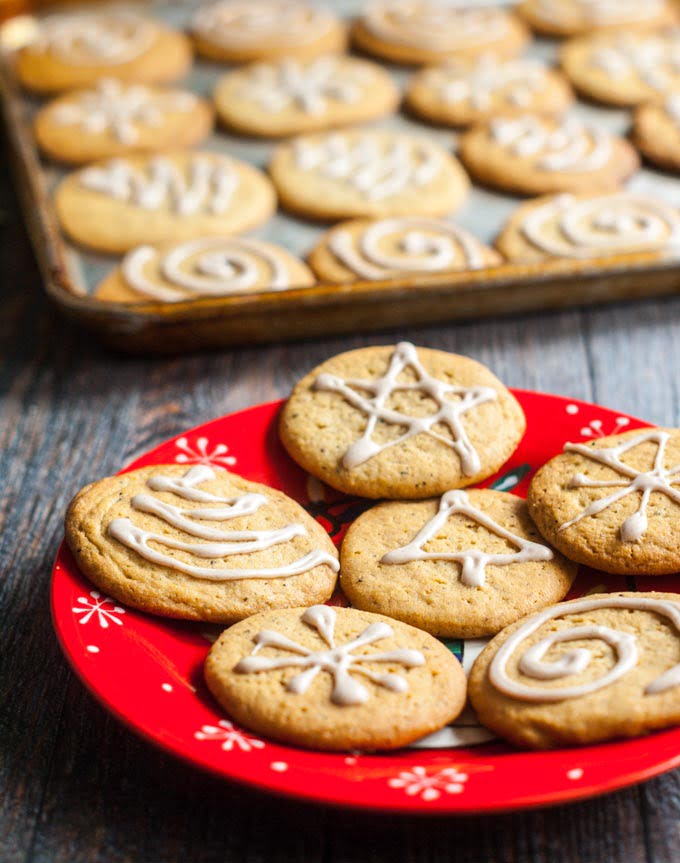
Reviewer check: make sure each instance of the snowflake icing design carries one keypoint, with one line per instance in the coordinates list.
(217, 457)
(94, 607)
(230, 737)
(417, 782)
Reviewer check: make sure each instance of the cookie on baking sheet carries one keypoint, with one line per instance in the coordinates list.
(116, 205)
(573, 17)
(287, 96)
(465, 91)
(355, 173)
(386, 248)
(199, 543)
(401, 422)
(335, 678)
(656, 131)
(428, 31)
(535, 155)
(584, 671)
(115, 118)
(204, 267)
(614, 503)
(240, 31)
(589, 226)
(74, 50)
(463, 566)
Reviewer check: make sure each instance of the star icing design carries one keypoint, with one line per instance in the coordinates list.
(473, 561)
(448, 413)
(340, 661)
(659, 479)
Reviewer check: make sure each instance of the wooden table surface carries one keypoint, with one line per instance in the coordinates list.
(77, 786)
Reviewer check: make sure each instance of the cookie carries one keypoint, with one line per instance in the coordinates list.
(465, 91)
(239, 31)
(199, 544)
(536, 155)
(114, 118)
(73, 50)
(116, 205)
(288, 96)
(590, 226)
(204, 267)
(656, 131)
(584, 671)
(401, 422)
(573, 17)
(463, 566)
(335, 678)
(348, 174)
(387, 248)
(614, 503)
(428, 31)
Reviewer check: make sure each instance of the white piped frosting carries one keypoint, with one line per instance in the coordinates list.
(93, 39)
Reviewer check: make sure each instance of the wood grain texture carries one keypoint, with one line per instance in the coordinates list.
(77, 786)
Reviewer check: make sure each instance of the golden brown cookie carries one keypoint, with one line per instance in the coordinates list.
(536, 155)
(656, 131)
(199, 543)
(116, 205)
(335, 678)
(73, 50)
(366, 173)
(463, 566)
(401, 422)
(584, 671)
(614, 503)
(573, 17)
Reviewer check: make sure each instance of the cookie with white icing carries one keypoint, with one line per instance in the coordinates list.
(366, 173)
(656, 131)
(74, 50)
(585, 671)
(534, 155)
(199, 543)
(614, 503)
(461, 566)
(289, 96)
(468, 90)
(428, 31)
(335, 679)
(239, 31)
(118, 204)
(589, 226)
(401, 422)
(387, 248)
(573, 17)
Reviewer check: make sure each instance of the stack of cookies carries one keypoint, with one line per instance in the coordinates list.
(413, 432)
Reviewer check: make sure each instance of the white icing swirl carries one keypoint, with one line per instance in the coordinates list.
(93, 39)
(654, 59)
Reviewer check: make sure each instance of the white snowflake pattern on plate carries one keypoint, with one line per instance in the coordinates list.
(199, 453)
(417, 782)
(229, 736)
(95, 608)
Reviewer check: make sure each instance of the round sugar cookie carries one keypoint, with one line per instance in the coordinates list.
(614, 503)
(585, 671)
(463, 566)
(73, 50)
(354, 173)
(199, 543)
(573, 17)
(116, 205)
(335, 679)
(656, 131)
(401, 422)
(535, 155)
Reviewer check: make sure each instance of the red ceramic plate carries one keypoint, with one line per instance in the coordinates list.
(148, 671)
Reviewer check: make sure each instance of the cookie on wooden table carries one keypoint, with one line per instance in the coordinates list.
(74, 50)
(401, 422)
(656, 131)
(335, 678)
(573, 17)
(199, 543)
(614, 503)
(584, 671)
(115, 205)
(463, 566)
(534, 155)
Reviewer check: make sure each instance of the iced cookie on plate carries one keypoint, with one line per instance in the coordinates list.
(74, 50)
(535, 155)
(335, 678)
(354, 173)
(656, 131)
(572, 17)
(115, 205)
(584, 671)
(463, 566)
(401, 422)
(199, 543)
(614, 503)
